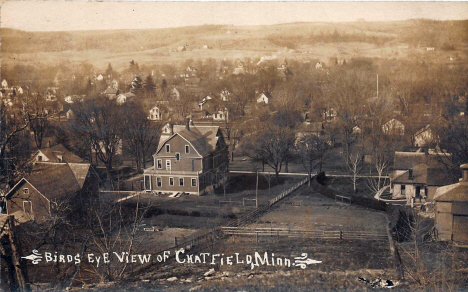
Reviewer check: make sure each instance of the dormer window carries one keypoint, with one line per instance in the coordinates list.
(187, 149)
(39, 158)
(168, 148)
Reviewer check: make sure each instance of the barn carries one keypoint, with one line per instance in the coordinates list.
(451, 209)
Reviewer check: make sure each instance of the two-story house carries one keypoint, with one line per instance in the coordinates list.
(189, 159)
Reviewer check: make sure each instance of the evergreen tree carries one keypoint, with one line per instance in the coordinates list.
(109, 71)
(149, 86)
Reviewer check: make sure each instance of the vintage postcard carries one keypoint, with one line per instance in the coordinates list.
(233, 146)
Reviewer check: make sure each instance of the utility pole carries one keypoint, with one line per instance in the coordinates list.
(256, 192)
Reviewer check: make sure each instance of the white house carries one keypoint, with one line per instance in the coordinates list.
(318, 65)
(175, 94)
(69, 99)
(263, 98)
(70, 114)
(4, 84)
(155, 114)
(225, 95)
(221, 115)
(393, 127)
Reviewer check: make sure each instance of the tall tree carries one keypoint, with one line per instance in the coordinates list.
(149, 86)
(141, 134)
(311, 151)
(101, 121)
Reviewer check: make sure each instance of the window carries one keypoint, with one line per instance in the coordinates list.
(147, 182)
(194, 182)
(177, 156)
(168, 165)
(159, 182)
(168, 148)
(159, 163)
(27, 207)
(39, 157)
(181, 181)
(187, 149)
(171, 181)
(25, 191)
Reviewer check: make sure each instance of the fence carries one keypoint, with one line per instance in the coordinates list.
(209, 238)
(304, 233)
(252, 215)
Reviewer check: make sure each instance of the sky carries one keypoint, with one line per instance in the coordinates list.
(82, 15)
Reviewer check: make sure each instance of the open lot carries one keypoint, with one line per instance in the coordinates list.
(310, 210)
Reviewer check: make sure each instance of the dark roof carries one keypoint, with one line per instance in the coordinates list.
(57, 180)
(455, 192)
(407, 160)
(423, 174)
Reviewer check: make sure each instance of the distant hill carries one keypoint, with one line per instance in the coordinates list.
(117, 46)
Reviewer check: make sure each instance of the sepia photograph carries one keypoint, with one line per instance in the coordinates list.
(233, 146)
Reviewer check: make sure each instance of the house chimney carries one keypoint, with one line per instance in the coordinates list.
(187, 124)
(464, 168)
(410, 174)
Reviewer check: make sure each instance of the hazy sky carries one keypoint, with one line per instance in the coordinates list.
(66, 15)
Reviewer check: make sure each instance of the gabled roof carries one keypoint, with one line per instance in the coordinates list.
(423, 174)
(56, 180)
(203, 138)
(52, 152)
(456, 192)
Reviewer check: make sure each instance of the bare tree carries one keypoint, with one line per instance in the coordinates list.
(101, 121)
(141, 134)
(353, 162)
(380, 165)
(311, 150)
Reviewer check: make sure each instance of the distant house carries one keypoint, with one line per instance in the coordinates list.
(182, 48)
(70, 115)
(189, 159)
(225, 95)
(111, 93)
(206, 47)
(356, 130)
(175, 95)
(4, 84)
(69, 99)
(122, 98)
(35, 195)
(430, 48)
(264, 98)
(394, 127)
(55, 154)
(155, 114)
(318, 65)
(221, 115)
(417, 175)
(329, 114)
(239, 69)
(99, 77)
(451, 209)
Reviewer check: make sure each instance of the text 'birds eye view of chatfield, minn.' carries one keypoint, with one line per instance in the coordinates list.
(227, 157)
